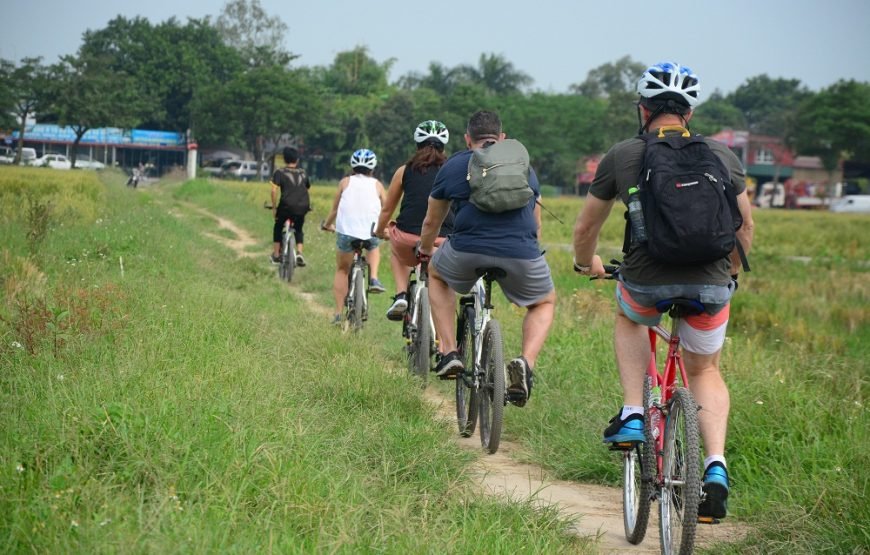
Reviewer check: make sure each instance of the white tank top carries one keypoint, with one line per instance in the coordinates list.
(359, 207)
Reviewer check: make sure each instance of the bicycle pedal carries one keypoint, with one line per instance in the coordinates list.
(708, 520)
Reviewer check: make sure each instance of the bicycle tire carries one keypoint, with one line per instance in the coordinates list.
(422, 356)
(638, 473)
(466, 393)
(681, 471)
(492, 388)
(359, 300)
(288, 257)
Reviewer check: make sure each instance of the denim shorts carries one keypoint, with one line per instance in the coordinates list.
(342, 242)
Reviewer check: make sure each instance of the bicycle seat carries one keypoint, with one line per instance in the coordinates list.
(680, 306)
(490, 273)
(359, 244)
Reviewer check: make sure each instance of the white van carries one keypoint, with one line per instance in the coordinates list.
(28, 156)
(245, 170)
(851, 203)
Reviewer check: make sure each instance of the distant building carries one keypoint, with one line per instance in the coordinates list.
(126, 148)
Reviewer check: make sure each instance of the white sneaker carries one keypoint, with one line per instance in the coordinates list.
(398, 308)
(300, 260)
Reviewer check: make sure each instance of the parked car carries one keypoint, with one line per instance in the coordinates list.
(85, 162)
(7, 154)
(852, 203)
(214, 167)
(56, 161)
(243, 169)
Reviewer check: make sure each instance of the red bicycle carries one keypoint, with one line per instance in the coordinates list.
(667, 465)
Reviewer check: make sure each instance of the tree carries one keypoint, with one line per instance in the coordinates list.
(355, 72)
(835, 124)
(717, 113)
(391, 131)
(611, 79)
(26, 86)
(496, 74)
(245, 26)
(259, 106)
(769, 105)
(86, 94)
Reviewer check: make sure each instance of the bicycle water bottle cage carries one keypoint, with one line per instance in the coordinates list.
(490, 273)
(360, 244)
(680, 307)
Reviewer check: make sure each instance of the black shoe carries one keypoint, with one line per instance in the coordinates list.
(715, 502)
(397, 311)
(449, 366)
(629, 430)
(520, 388)
(300, 260)
(275, 259)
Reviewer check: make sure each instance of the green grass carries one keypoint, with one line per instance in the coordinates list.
(189, 403)
(192, 404)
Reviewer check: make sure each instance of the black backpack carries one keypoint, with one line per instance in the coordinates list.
(295, 196)
(689, 203)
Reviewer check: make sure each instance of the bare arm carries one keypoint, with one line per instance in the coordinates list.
(586, 231)
(746, 232)
(274, 195)
(435, 214)
(538, 222)
(393, 195)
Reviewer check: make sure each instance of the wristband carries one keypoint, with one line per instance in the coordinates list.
(580, 269)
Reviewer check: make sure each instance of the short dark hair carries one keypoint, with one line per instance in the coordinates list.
(362, 170)
(666, 104)
(290, 154)
(483, 124)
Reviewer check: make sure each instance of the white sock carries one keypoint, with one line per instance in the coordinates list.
(628, 410)
(714, 458)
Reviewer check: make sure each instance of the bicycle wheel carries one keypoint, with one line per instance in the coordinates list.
(681, 470)
(466, 393)
(288, 257)
(421, 354)
(358, 304)
(492, 387)
(638, 472)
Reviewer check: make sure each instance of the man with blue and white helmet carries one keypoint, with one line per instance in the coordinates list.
(668, 94)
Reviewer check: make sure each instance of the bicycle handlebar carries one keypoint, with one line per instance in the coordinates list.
(610, 270)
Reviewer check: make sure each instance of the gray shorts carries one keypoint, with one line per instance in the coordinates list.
(526, 282)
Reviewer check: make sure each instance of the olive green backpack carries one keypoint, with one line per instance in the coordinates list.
(498, 175)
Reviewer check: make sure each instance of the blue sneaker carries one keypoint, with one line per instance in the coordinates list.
(715, 502)
(625, 431)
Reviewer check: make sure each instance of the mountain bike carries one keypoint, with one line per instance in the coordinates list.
(418, 328)
(356, 308)
(287, 262)
(667, 465)
(481, 392)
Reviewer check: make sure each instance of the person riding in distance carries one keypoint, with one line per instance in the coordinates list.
(668, 93)
(355, 210)
(412, 183)
(507, 240)
(293, 184)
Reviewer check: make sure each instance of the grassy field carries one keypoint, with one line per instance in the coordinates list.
(161, 394)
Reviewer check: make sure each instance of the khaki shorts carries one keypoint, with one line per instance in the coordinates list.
(526, 281)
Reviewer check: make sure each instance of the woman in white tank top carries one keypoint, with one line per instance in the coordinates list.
(355, 211)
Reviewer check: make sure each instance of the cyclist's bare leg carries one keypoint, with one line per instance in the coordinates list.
(276, 250)
(536, 324)
(374, 259)
(712, 396)
(442, 300)
(299, 248)
(631, 342)
(400, 273)
(343, 260)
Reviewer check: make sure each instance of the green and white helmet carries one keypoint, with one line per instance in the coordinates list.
(431, 130)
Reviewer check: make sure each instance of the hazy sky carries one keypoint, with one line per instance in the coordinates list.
(555, 41)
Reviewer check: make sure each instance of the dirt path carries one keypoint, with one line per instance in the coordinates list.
(595, 510)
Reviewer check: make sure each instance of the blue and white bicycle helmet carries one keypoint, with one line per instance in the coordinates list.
(431, 130)
(669, 80)
(365, 158)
